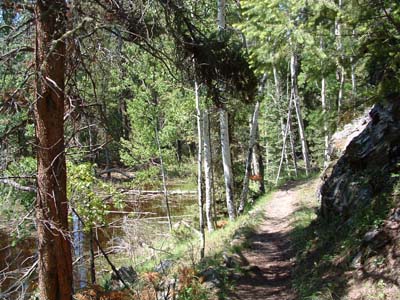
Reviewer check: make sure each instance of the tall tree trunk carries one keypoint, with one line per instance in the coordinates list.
(289, 113)
(164, 177)
(291, 129)
(277, 102)
(200, 170)
(296, 100)
(325, 114)
(224, 127)
(353, 74)
(208, 171)
(252, 141)
(54, 245)
(227, 162)
(292, 145)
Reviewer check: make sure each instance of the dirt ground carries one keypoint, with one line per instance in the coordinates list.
(270, 251)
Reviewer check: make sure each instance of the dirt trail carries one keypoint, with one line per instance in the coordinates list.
(270, 252)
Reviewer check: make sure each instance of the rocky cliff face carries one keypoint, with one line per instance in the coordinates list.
(366, 167)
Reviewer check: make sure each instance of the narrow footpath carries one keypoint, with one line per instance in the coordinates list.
(270, 251)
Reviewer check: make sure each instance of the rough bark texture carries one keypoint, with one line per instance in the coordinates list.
(54, 247)
(365, 169)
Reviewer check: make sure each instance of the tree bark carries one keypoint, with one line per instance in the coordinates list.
(296, 100)
(258, 167)
(325, 115)
(224, 128)
(221, 15)
(227, 162)
(208, 170)
(200, 170)
(54, 245)
(277, 102)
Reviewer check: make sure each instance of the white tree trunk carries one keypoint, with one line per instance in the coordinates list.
(227, 162)
(200, 170)
(353, 74)
(208, 171)
(325, 115)
(258, 166)
(277, 101)
(252, 141)
(296, 100)
(221, 15)
(224, 127)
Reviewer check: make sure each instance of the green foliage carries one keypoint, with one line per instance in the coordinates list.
(86, 193)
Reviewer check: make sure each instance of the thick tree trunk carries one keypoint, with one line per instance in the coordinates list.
(296, 100)
(54, 245)
(227, 162)
(200, 171)
(252, 141)
(208, 171)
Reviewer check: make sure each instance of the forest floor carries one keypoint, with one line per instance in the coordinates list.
(270, 250)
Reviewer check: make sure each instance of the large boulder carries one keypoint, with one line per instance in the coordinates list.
(366, 166)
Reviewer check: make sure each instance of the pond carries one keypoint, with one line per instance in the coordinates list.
(127, 233)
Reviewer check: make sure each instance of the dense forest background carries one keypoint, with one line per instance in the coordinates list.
(102, 99)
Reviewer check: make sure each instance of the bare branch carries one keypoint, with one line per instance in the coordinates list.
(18, 186)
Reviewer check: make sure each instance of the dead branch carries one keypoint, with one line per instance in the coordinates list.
(18, 186)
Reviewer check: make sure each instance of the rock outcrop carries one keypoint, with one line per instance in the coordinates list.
(366, 166)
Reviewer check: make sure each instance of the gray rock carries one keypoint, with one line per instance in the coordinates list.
(365, 166)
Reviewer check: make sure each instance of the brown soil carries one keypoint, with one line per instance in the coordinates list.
(270, 251)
